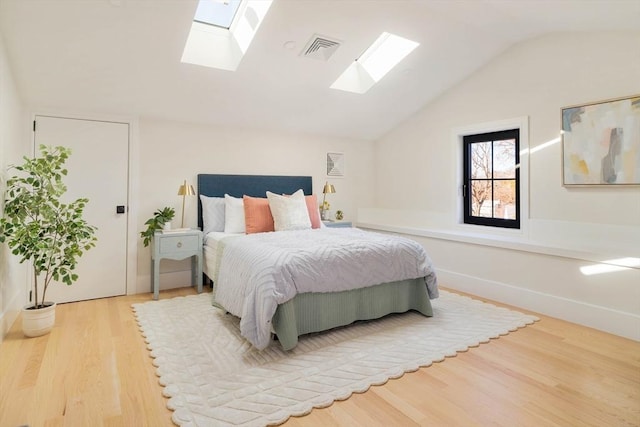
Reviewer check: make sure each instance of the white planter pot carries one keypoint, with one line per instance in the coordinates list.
(38, 322)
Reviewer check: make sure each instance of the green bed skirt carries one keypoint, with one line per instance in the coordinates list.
(315, 312)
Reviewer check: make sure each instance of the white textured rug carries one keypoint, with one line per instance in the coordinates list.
(213, 377)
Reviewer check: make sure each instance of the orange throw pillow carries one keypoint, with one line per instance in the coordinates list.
(257, 215)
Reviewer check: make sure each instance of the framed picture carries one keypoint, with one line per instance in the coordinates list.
(601, 143)
(335, 164)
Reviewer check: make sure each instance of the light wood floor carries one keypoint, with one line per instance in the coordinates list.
(93, 370)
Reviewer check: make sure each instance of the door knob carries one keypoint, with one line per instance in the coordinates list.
(120, 209)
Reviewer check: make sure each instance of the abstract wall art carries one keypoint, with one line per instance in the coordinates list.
(335, 164)
(601, 143)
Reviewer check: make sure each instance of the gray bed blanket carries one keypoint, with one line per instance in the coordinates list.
(259, 271)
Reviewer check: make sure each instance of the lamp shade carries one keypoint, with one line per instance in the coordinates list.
(186, 190)
(328, 188)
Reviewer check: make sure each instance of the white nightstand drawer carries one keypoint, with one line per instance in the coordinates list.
(171, 244)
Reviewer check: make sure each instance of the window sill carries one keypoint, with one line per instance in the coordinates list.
(515, 241)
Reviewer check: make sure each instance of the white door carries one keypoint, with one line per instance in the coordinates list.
(97, 170)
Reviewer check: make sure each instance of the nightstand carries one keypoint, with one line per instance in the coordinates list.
(338, 224)
(178, 245)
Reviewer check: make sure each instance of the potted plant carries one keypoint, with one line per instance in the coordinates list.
(160, 218)
(38, 227)
(324, 210)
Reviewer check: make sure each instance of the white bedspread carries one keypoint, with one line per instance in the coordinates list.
(259, 271)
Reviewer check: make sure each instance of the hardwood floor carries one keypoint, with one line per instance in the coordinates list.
(93, 369)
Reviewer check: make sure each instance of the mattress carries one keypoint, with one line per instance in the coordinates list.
(211, 252)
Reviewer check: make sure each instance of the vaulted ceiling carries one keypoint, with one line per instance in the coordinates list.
(123, 57)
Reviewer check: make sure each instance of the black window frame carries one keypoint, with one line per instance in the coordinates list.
(468, 141)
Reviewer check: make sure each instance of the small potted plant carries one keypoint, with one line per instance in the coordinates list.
(339, 215)
(160, 218)
(324, 210)
(39, 228)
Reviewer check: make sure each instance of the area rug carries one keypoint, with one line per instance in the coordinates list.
(214, 377)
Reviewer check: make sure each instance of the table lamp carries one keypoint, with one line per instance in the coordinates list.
(185, 190)
(328, 189)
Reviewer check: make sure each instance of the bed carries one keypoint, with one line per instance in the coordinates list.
(307, 308)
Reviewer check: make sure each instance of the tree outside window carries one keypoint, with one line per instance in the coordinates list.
(492, 178)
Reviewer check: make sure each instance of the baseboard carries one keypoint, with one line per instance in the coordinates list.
(9, 315)
(602, 318)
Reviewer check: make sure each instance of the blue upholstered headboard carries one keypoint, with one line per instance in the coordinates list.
(251, 185)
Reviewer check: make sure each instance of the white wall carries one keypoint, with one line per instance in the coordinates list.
(13, 145)
(170, 152)
(417, 167)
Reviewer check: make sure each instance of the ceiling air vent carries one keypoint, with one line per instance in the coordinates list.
(320, 47)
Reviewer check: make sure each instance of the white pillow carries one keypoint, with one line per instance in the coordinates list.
(233, 215)
(289, 212)
(212, 214)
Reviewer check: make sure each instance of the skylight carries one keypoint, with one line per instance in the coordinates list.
(217, 12)
(221, 43)
(384, 54)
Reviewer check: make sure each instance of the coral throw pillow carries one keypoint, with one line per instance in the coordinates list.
(314, 211)
(257, 215)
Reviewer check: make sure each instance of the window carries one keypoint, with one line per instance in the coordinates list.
(219, 13)
(491, 186)
(384, 54)
(222, 32)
